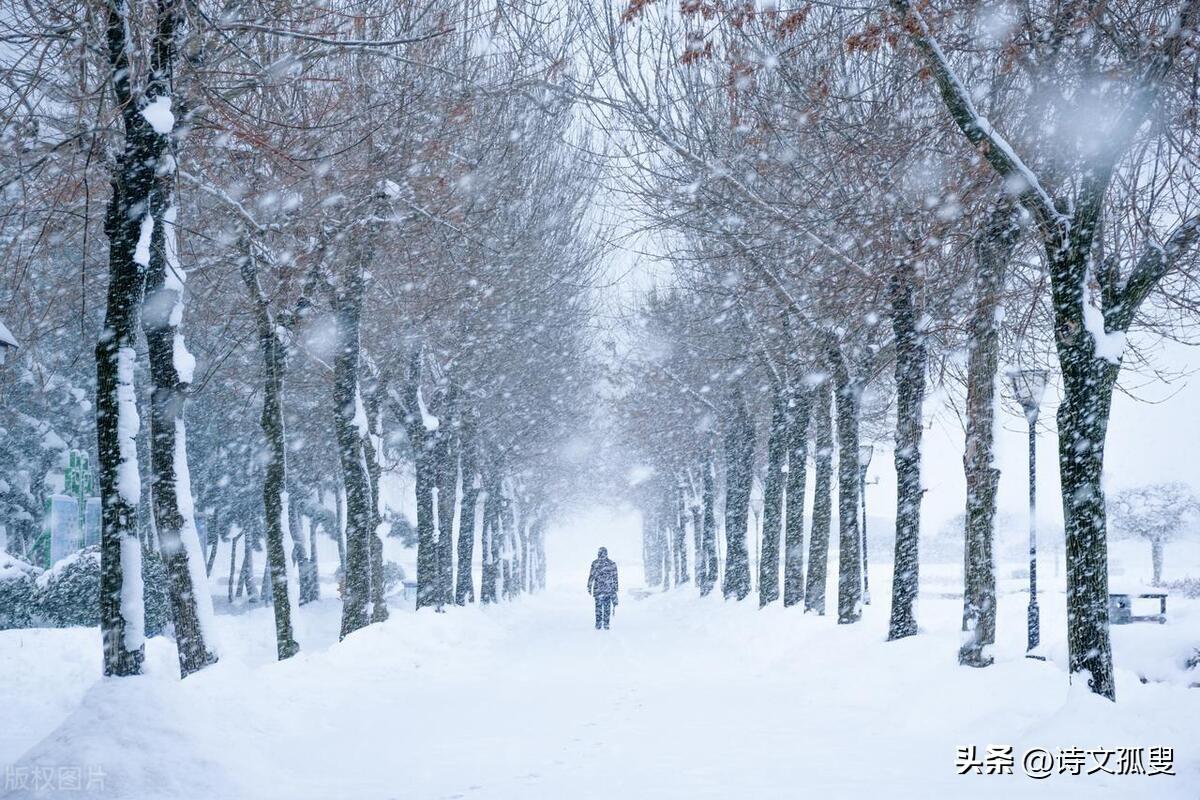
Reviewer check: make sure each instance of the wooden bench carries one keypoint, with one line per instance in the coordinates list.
(1120, 608)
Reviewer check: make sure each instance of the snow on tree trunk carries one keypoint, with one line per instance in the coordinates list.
(910, 394)
(129, 225)
(992, 253)
(708, 537)
(372, 448)
(849, 399)
(350, 428)
(540, 547)
(464, 586)
(489, 542)
(171, 367)
(681, 515)
(822, 514)
(445, 455)
(799, 411)
(1082, 427)
(768, 563)
(275, 478)
(739, 476)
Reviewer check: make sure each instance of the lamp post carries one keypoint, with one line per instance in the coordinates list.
(864, 460)
(1029, 385)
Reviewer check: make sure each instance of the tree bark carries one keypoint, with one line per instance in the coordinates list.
(275, 481)
(421, 442)
(1082, 427)
(490, 541)
(739, 471)
(350, 428)
(129, 225)
(212, 543)
(822, 515)
(910, 394)
(372, 445)
(464, 588)
(849, 398)
(992, 253)
(171, 485)
(446, 478)
(681, 515)
(540, 546)
(233, 564)
(709, 533)
(798, 413)
(651, 562)
(768, 562)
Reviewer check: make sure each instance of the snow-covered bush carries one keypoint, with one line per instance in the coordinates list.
(69, 592)
(18, 592)
(403, 530)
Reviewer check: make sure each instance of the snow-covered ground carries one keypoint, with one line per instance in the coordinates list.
(684, 698)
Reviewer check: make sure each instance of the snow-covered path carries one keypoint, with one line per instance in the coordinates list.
(684, 698)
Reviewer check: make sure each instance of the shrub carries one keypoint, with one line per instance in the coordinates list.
(18, 592)
(69, 592)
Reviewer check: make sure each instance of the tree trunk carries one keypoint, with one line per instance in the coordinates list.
(490, 540)
(446, 477)
(372, 445)
(709, 534)
(992, 252)
(739, 471)
(314, 565)
(665, 549)
(512, 580)
(275, 481)
(246, 577)
(212, 543)
(822, 515)
(1156, 559)
(339, 505)
(350, 427)
(768, 563)
(540, 546)
(910, 394)
(233, 564)
(849, 399)
(129, 225)
(464, 588)
(171, 485)
(651, 564)
(299, 556)
(681, 515)
(422, 443)
(1082, 428)
(798, 413)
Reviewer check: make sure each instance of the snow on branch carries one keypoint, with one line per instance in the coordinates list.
(1155, 261)
(977, 128)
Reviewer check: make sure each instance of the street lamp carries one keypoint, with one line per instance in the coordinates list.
(1029, 385)
(864, 460)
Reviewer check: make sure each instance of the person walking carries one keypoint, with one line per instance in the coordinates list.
(602, 585)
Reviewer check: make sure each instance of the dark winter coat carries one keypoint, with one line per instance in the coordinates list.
(603, 577)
